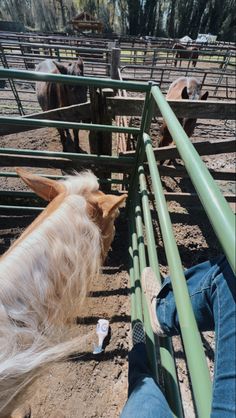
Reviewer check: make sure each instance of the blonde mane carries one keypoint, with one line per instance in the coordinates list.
(43, 279)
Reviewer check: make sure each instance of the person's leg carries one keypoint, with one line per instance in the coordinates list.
(212, 289)
(145, 398)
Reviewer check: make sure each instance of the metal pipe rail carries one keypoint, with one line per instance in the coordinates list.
(87, 49)
(125, 40)
(170, 378)
(66, 79)
(42, 123)
(10, 43)
(171, 50)
(115, 162)
(193, 70)
(137, 313)
(41, 37)
(8, 209)
(196, 359)
(217, 209)
(151, 351)
(144, 58)
(28, 58)
(55, 177)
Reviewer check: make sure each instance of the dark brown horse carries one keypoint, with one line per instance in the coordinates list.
(185, 53)
(54, 95)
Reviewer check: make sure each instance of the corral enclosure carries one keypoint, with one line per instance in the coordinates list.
(89, 386)
(139, 60)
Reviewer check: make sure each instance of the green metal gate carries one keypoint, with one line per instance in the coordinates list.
(138, 207)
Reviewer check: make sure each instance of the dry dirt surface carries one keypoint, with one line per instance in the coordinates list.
(93, 385)
(96, 386)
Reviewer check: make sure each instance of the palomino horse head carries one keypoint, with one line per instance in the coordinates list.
(45, 276)
(102, 208)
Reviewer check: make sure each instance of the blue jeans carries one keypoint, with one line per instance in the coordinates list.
(212, 289)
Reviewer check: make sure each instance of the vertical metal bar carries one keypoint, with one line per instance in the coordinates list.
(203, 79)
(153, 62)
(162, 74)
(171, 386)
(150, 340)
(218, 210)
(137, 285)
(132, 280)
(145, 120)
(11, 82)
(151, 245)
(22, 53)
(147, 114)
(196, 359)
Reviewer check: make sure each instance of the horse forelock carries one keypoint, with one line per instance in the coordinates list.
(81, 183)
(181, 81)
(192, 84)
(193, 88)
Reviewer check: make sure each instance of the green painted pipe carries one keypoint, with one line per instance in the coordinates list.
(151, 245)
(171, 385)
(67, 79)
(93, 158)
(7, 208)
(218, 210)
(18, 193)
(145, 119)
(65, 125)
(196, 359)
(132, 282)
(15, 175)
(150, 339)
(137, 285)
(145, 124)
(54, 177)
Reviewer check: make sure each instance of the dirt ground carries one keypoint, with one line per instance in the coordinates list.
(93, 385)
(96, 386)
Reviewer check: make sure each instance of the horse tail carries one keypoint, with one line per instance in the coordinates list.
(17, 371)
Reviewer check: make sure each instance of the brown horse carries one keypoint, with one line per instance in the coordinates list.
(188, 88)
(54, 95)
(185, 53)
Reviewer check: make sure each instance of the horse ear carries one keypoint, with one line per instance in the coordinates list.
(46, 188)
(81, 66)
(184, 93)
(205, 96)
(108, 203)
(61, 67)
